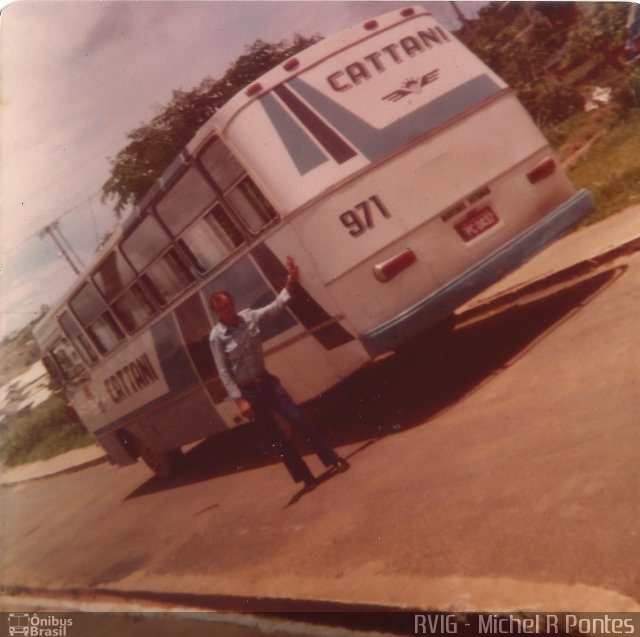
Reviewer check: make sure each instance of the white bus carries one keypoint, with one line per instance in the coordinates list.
(398, 170)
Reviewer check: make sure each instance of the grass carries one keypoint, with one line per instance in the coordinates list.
(44, 432)
(610, 167)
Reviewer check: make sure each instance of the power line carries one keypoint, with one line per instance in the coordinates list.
(56, 219)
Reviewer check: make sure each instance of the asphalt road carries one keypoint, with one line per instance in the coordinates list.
(494, 466)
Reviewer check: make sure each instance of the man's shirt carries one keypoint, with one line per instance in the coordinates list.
(237, 350)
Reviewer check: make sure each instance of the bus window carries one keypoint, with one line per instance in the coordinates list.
(251, 205)
(133, 308)
(221, 165)
(210, 240)
(189, 197)
(52, 368)
(66, 358)
(239, 190)
(145, 243)
(90, 310)
(75, 335)
(167, 277)
(162, 270)
(127, 300)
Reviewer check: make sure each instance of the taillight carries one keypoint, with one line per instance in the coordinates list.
(386, 270)
(407, 11)
(544, 169)
(370, 25)
(291, 64)
(254, 89)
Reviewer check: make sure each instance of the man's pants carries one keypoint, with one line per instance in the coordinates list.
(270, 395)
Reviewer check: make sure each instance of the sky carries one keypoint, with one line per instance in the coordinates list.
(77, 76)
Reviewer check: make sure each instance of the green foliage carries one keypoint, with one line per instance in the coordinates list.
(550, 101)
(42, 433)
(525, 43)
(626, 89)
(153, 146)
(610, 168)
(603, 31)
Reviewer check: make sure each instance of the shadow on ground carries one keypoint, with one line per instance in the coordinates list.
(405, 390)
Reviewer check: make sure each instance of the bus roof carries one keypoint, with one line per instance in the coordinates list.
(309, 58)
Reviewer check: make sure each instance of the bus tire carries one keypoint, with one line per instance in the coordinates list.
(164, 464)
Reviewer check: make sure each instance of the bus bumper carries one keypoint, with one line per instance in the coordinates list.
(441, 303)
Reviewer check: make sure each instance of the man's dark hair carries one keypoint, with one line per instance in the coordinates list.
(219, 295)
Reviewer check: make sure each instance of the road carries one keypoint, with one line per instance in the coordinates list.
(494, 466)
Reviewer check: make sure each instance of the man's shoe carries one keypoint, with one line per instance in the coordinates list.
(342, 465)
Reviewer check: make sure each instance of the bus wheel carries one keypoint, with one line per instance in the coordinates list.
(163, 463)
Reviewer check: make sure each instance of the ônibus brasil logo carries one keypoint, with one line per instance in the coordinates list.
(34, 625)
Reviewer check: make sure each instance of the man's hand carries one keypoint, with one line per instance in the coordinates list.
(245, 408)
(292, 269)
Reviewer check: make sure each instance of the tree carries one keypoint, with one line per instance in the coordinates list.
(153, 146)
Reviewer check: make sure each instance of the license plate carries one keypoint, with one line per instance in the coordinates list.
(475, 223)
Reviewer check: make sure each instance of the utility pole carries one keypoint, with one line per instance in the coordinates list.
(461, 16)
(48, 230)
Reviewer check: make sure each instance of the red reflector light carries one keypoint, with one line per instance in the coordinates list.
(254, 89)
(405, 13)
(291, 64)
(386, 270)
(544, 169)
(370, 25)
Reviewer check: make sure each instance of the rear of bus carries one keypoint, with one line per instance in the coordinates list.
(408, 171)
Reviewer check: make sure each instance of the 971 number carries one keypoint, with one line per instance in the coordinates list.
(362, 216)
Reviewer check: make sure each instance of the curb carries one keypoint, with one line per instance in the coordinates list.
(78, 467)
(508, 296)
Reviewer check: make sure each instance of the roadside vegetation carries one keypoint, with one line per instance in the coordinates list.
(555, 55)
(42, 433)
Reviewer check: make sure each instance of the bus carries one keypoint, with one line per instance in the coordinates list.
(396, 168)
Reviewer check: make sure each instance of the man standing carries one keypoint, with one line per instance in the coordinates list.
(237, 351)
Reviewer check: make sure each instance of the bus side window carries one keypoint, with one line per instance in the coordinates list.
(188, 198)
(251, 205)
(116, 280)
(89, 308)
(50, 365)
(66, 358)
(71, 328)
(240, 192)
(209, 241)
(149, 251)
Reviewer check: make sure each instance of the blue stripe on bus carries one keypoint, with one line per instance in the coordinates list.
(444, 301)
(375, 143)
(305, 154)
(339, 150)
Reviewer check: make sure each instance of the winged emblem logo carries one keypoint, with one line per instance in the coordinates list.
(412, 85)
